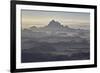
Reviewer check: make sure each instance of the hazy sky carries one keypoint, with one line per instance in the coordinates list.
(42, 18)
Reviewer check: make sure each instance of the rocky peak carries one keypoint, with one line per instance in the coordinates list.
(54, 24)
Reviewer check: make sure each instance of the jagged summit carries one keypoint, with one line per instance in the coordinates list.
(54, 24)
(51, 25)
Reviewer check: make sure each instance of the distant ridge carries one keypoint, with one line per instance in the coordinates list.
(52, 24)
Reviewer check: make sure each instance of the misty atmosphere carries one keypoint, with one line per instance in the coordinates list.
(54, 42)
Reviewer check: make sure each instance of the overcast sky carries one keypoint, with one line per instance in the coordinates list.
(42, 18)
